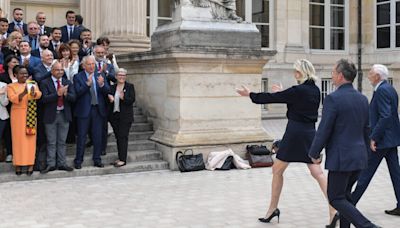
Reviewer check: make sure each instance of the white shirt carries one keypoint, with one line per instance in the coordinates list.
(25, 57)
(116, 101)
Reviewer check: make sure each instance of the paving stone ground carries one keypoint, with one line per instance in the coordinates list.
(234, 198)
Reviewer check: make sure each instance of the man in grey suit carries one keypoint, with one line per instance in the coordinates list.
(385, 134)
(57, 97)
(343, 132)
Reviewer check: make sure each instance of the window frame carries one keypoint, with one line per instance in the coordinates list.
(327, 28)
(392, 26)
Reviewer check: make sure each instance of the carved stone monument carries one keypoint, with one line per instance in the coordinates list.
(186, 83)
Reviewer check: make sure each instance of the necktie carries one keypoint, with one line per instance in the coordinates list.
(41, 30)
(71, 30)
(19, 25)
(99, 67)
(33, 43)
(93, 92)
(55, 46)
(60, 99)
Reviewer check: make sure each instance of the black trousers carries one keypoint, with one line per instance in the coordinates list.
(339, 195)
(121, 130)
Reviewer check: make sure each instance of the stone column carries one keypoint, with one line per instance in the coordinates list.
(5, 6)
(294, 27)
(93, 15)
(126, 25)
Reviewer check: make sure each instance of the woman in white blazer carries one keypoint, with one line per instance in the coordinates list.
(3, 108)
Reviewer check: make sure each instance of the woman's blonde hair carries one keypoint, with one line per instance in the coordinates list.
(306, 70)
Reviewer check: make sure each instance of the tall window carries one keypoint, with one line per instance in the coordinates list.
(326, 88)
(387, 23)
(159, 12)
(260, 17)
(390, 80)
(327, 24)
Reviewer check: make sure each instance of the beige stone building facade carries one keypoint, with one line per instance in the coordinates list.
(322, 31)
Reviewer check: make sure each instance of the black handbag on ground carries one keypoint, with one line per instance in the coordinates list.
(189, 162)
(259, 156)
(228, 164)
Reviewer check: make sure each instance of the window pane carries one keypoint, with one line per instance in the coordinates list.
(382, 0)
(260, 11)
(337, 16)
(240, 8)
(163, 22)
(317, 38)
(383, 14)
(319, 1)
(338, 2)
(397, 36)
(164, 8)
(264, 30)
(383, 35)
(148, 8)
(317, 15)
(337, 39)
(397, 12)
(148, 27)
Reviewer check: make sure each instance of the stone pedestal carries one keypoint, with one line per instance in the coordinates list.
(186, 84)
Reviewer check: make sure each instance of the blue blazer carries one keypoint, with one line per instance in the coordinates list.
(384, 117)
(343, 130)
(40, 73)
(83, 97)
(33, 63)
(50, 97)
(64, 34)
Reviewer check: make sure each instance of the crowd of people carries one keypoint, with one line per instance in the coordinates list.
(356, 137)
(57, 86)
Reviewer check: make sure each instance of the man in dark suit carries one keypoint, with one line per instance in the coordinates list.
(70, 31)
(87, 47)
(343, 132)
(57, 97)
(56, 39)
(385, 134)
(44, 44)
(3, 28)
(41, 20)
(90, 109)
(18, 24)
(42, 71)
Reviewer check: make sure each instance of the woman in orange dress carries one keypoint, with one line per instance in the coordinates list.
(24, 142)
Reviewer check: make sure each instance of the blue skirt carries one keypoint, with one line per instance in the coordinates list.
(296, 142)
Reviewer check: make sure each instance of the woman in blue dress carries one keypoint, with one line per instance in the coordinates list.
(302, 103)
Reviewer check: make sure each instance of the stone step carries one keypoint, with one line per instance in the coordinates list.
(140, 127)
(133, 136)
(139, 119)
(137, 111)
(133, 156)
(136, 145)
(88, 171)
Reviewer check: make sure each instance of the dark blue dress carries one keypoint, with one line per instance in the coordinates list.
(302, 104)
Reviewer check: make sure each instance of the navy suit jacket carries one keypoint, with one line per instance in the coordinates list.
(11, 27)
(83, 97)
(109, 74)
(64, 34)
(40, 73)
(343, 130)
(384, 117)
(50, 97)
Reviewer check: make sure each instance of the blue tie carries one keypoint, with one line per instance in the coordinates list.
(70, 32)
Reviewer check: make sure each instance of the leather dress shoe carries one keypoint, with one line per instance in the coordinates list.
(65, 168)
(48, 169)
(99, 165)
(78, 166)
(395, 211)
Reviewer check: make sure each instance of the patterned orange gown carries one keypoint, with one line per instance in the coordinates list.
(24, 146)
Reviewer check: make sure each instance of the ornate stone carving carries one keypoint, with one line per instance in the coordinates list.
(220, 9)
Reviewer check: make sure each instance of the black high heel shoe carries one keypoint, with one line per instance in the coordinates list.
(277, 213)
(334, 221)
